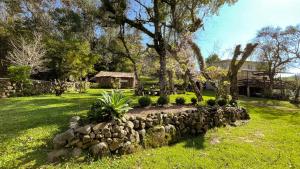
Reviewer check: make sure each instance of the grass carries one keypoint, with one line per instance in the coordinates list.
(270, 140)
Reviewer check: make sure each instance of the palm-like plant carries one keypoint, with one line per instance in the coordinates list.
(109, 106)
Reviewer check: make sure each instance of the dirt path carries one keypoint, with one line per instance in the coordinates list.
(166, 109)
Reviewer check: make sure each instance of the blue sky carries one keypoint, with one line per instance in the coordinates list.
(238, 23)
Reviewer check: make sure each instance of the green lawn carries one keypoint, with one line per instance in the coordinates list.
(270, 140)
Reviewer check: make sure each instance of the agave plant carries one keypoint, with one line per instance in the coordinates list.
(109, 106)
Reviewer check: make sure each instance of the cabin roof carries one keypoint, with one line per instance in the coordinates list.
(114, 74)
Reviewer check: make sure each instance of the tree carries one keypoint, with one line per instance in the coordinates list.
(217, 77)
(277, 49)
(19, 75)
(28, 53)
(212, 59)
(159, 19)
(238, 59)
(127, 44)
(296, 99)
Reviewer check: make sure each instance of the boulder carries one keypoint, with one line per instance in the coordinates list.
(84, 130)
(74, 122)
(86, 138)
(75, 119)
(76, 152)
(130, 124)
(62, 139)
(115, 144)
(56, 155)
(127, 148)
(100, 149)
(99, 126)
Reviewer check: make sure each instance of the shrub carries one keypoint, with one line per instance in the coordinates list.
(59, 87)
(194, 101)
(144, 101)
(162, 100)
(109, 106)
(211, 102)
(180, 100)
(233, 103)
(222, 102)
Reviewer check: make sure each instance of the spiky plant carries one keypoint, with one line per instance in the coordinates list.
(109, 106)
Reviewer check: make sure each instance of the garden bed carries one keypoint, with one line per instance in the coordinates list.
(143, 112)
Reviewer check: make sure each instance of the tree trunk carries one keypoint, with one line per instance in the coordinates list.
(171, 84)
(234, 87)
(162, 73)
(196, 88)
(297, 93)
(271, 86)
(138, 85)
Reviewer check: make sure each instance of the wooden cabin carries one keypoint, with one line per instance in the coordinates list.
(123, 80)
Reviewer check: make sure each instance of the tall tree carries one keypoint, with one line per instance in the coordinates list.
(277, 49)
(238, 59)
(158, 19)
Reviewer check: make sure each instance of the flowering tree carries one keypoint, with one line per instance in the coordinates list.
(28, 53)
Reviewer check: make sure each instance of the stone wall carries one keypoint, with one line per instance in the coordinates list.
(36, 87)
(127, 135)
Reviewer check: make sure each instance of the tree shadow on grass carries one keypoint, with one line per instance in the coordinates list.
(42, 114)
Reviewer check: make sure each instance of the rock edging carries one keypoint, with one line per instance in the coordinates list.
(128, 134)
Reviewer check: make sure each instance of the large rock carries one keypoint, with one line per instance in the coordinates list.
(100, 149)
(74, 122)
(62, 139)
(99, 126)
(56, 155)
(115, 144)
(130, 124)
(76, 152)
(127, 148)
(84, 130)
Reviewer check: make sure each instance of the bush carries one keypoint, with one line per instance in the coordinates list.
(222, 102)
(233, 103)
(211, 102)
(162, 100)
(194, 101)
(59, 87)
(109, 106)
(144, 101)
(180, 100)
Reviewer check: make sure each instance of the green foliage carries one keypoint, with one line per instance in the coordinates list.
(212, 59)
(19, 74)
(70, 58)
(109, 106)
(180, 100)
(116, 84)
(221, 102)
(194, 100)
(211, 102)
(144, 101)
(233, 103)
(162, 100)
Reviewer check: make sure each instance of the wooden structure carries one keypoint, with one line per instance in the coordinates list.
(114, 79)
(257, 82)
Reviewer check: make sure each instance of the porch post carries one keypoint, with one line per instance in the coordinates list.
(248, 91)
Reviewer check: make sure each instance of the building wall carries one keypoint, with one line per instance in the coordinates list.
(107, 82)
